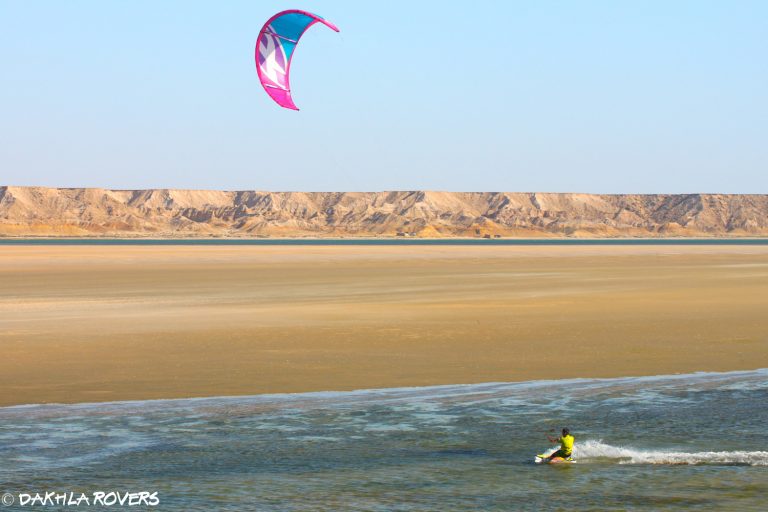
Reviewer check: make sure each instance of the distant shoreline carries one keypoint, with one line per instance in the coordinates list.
(379, 241)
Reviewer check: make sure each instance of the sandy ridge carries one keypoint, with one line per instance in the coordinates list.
(41, 211)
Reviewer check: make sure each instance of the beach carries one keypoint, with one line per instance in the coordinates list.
(96, 323)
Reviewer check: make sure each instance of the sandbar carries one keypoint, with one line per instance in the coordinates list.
(100, 323)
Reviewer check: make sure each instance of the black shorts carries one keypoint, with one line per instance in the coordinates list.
(561, 453)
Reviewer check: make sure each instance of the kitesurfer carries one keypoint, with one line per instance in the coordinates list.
(566, 441)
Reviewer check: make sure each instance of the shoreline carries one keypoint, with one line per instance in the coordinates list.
(332, 394)
(393, 240)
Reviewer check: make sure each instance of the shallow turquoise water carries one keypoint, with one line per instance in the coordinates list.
(658, 443)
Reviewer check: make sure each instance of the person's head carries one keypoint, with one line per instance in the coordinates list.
(566, 432)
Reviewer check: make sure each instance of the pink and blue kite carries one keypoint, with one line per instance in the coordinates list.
(277, 41)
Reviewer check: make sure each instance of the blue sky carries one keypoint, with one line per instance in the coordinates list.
(600, 96)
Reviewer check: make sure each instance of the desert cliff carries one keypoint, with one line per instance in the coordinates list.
(40, 211)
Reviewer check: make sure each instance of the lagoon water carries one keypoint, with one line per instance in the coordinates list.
(387, 241)
(654, 443)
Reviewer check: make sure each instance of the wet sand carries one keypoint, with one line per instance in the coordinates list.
(102, 323)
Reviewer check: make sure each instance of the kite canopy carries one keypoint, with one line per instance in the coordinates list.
(277, 41)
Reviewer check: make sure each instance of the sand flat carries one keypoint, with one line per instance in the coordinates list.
(98, 323)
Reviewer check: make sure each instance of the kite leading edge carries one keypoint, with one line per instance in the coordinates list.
(274, 48)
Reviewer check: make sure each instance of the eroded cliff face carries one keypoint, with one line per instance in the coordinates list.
(39, 211)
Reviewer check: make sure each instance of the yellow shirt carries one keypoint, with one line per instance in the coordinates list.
(566, 444)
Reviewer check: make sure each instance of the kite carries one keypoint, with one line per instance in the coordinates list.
(274, 48)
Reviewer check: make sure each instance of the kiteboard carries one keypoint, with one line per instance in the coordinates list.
(542, 459)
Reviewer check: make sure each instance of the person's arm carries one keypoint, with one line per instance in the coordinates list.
(553, 439)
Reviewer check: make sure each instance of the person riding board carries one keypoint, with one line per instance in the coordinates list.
(566, 445)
